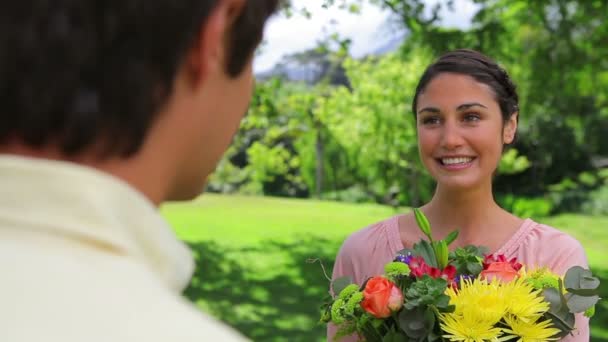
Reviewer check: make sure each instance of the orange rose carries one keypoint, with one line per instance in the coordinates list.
(381, 297)
(501, 271)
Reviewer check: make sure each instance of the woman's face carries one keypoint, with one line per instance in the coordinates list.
(461, 131)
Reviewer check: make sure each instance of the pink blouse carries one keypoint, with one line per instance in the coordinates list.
(364, 254)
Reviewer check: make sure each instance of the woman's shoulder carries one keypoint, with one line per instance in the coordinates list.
(557, 238)
(550, 247)
(369, 237)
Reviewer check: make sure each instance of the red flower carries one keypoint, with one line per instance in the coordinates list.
(501, 271)
(490, 259)
(381, 297)
(418, 268)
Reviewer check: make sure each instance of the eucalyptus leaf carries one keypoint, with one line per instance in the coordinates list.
(564, 323)
(559, 313)
(584, 292)
(554, 298)
(578, 278)
(415, 323)
(578, 304)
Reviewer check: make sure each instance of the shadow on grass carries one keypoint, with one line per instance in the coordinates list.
(269, 292)
(599, 322)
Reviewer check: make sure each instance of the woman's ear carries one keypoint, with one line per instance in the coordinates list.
(510, 128)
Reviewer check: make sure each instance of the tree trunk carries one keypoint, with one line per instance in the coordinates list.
(319, 165)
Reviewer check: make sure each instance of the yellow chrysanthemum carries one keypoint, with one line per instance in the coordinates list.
(479, 301)
(525, 302)
(462, 328)
(531, 331)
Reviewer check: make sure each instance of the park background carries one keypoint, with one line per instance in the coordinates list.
(328, 146)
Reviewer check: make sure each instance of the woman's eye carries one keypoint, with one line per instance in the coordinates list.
(430, 120)
(472, 117)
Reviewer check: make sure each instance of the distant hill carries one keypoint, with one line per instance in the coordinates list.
(308, 73)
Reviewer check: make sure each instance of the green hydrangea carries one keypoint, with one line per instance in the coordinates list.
(345, 305)
(337, 311)
(353, 303)
(542, 279)
(348, 291)
(396, 269)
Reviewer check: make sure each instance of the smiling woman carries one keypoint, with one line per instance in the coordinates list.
(466, 110)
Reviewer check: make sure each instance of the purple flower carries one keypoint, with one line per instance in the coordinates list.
(403, 258)
(460, 277)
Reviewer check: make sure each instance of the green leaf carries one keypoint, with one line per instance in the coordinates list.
(442, 302)
(417, 323)
(580, 278)
(559, 313)
(474, 268)
(564, 323)
(423, 223)
(581, 304)
(340, 284)
(425, 250)
(394, 336)
(451, 237)
(441, 253)
(581, 282)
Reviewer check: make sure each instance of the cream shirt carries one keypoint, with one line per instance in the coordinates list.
(84, 257)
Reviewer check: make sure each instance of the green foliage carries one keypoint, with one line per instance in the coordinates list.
(427, 291)
(526, 207)
(513, 163)
(348, 134)
(417, 322)
(468, 260)
(597, 203)
(371, 120)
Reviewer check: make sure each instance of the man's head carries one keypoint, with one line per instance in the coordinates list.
(129, 80)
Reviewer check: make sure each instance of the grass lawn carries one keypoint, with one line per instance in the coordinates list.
(252, 255)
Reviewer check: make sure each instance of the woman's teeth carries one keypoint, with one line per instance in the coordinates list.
(459, 160)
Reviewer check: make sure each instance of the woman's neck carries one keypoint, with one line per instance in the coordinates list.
(473, 213)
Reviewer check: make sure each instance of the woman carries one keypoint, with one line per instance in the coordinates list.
(466, 110)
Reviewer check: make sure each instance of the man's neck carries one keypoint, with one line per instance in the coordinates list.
(130, 170)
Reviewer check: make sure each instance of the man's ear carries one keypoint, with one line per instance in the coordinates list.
(510, 128)
(209, 51)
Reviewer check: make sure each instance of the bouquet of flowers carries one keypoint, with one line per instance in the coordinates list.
(430, 294)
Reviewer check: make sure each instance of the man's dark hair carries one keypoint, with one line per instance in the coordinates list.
(77, 72)
(478, 66)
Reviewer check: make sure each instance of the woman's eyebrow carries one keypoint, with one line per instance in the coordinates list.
(468, 105)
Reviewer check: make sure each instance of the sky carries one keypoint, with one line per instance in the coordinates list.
(368, 30)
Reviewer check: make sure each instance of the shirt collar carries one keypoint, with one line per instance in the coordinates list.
(77, 202)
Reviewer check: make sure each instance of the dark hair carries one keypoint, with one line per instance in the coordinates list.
(81, 72)
(481, 68)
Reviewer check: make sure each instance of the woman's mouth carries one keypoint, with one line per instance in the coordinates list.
(455, 163)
